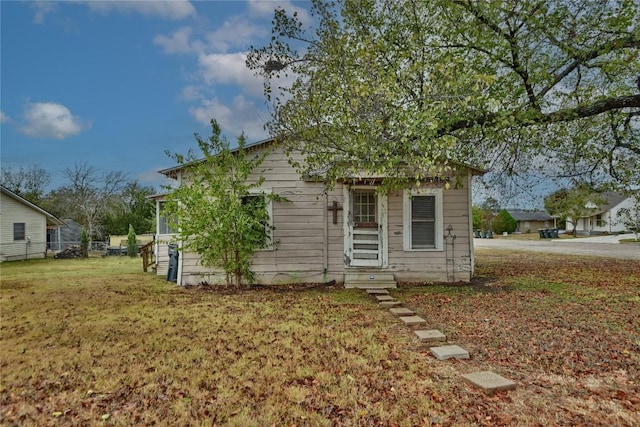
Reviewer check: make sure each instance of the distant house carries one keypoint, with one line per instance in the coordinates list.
(349, 233)
(69, 234)
(532, 221)
(23, 227)
(603, 217)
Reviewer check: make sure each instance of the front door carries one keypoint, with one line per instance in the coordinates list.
(365, 228)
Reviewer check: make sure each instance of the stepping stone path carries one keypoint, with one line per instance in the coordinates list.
(412, 320)
(377, 292)
(487, 381)
(388, 304)
(449, 351)
(401, 311)
(430, 335)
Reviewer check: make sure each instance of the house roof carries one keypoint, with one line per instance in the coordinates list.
(611, 200)
(530, 216)
(172, 171)
(51, 219)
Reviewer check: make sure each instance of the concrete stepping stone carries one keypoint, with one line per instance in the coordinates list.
(449, 351)
(384, 298)
(430, 335)
(412, 320)
(489, 382)
(401, 311)
(377, 292)
(388, 304)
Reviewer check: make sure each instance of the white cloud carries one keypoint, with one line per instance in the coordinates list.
(42, 8)
(50, 120)
(178, 42)
(4, 118)
(235, 32)
(191, 93)
(265, 9)
(169, 9)
(240, 116)
(230, 68)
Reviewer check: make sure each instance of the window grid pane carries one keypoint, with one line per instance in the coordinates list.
(364, 207)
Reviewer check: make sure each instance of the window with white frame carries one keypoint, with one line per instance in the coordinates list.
(423, 220)
(163, 221)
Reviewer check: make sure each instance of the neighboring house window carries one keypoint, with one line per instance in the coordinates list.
(599, 221)
(163, 222)
(423, 220)
(18, 231)
(263, 234)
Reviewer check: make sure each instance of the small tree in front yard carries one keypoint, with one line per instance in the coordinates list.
(132, 244)
(218, 213)
(84, 244)
(504, 222)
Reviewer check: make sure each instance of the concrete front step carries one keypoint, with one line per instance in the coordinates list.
(370, 280)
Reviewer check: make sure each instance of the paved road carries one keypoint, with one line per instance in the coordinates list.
(594, 246)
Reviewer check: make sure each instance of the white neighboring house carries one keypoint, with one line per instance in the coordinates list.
(604, 218)
(23, 227)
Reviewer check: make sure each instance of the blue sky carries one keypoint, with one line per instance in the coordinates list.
(116, 83)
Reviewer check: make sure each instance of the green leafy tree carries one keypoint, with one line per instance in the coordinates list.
(219, 212)
(84, 244)
(131, 206)
(482, 218)
(386, 85)
(504, 222)
(132, 244)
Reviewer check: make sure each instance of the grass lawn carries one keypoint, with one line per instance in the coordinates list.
(98, 342)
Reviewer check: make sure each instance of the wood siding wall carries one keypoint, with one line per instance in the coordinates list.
(309, 247)
(12, 211)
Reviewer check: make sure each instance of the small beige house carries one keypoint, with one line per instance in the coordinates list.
(23, 227)
(531, 222)
(351, 233)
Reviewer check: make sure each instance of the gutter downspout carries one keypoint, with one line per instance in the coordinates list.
(325, 235)
(472, 255)
(180, 253)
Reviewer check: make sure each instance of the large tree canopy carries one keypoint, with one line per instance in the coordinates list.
(507, 85)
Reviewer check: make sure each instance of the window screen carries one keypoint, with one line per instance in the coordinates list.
(18, 231)
(423, 222)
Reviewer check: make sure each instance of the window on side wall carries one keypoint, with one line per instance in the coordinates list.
(423, 220)
(260, 205)
(18, 231)
(163, 221)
